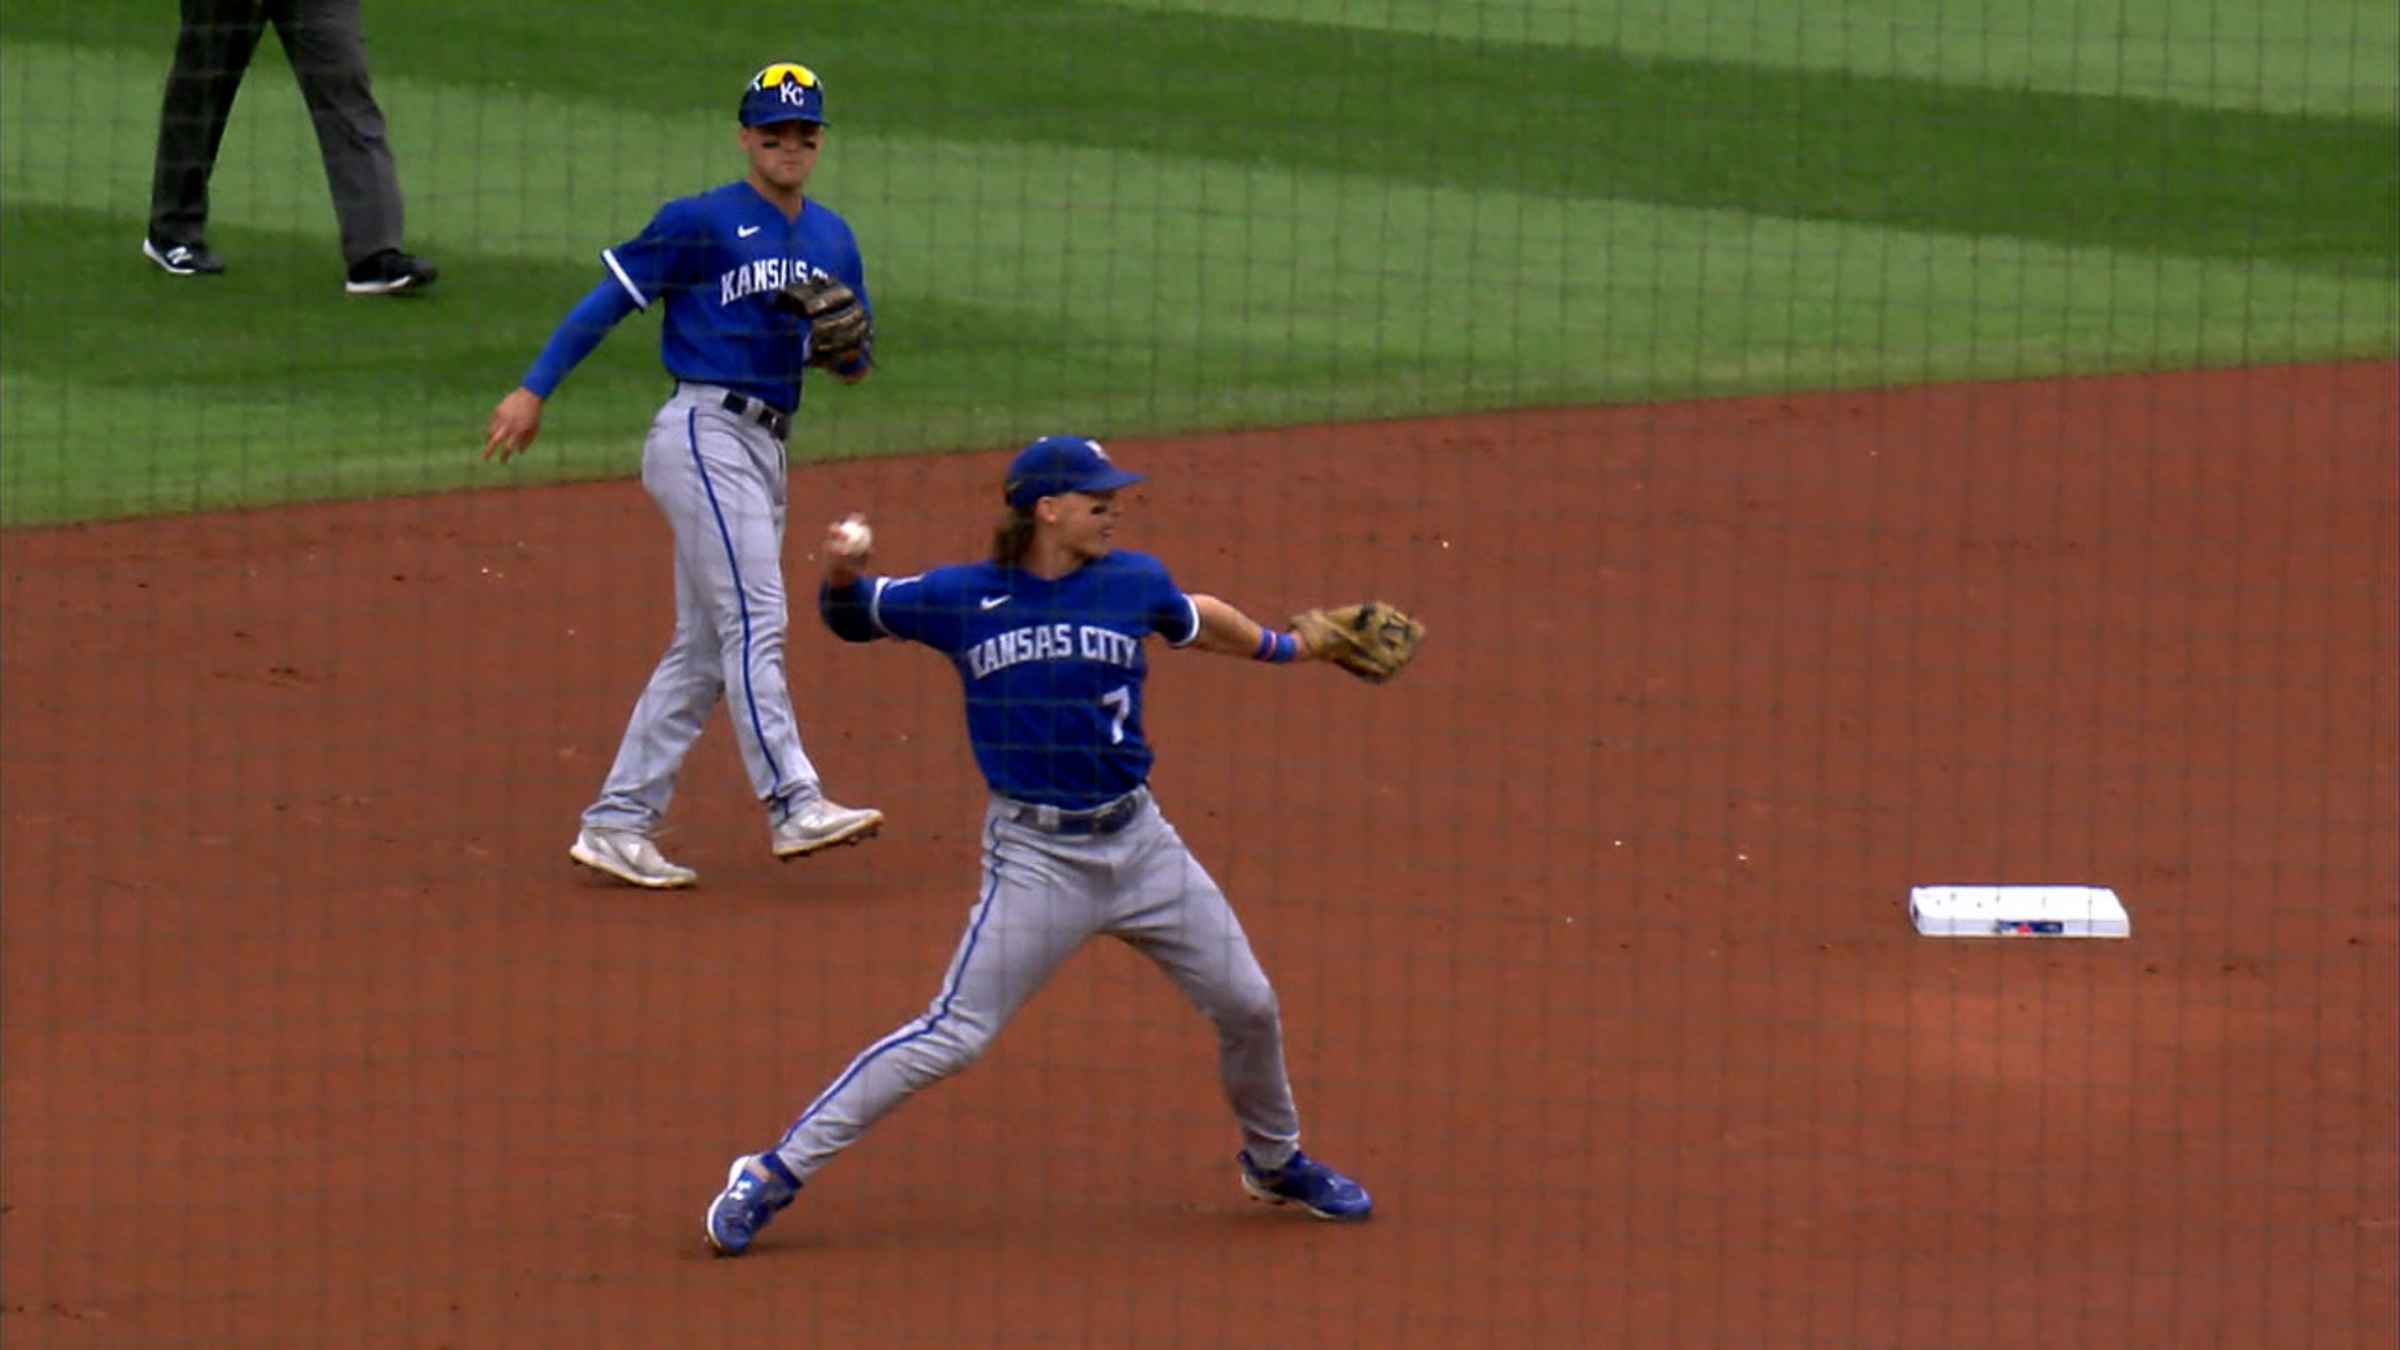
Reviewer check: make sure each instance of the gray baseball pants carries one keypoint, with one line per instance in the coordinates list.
(720, 480)
(1043, 896)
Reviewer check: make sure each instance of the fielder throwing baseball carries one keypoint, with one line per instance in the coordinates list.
(1047, 638)
(758, 283)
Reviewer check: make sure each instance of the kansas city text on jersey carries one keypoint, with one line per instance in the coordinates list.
(763, 274)
(1053, 642)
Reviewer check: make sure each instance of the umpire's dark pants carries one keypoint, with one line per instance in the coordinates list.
(329, 55)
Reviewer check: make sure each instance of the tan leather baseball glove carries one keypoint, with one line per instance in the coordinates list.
(1372, 640)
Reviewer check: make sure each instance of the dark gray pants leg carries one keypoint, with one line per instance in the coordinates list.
(212, 51)
(329, 55)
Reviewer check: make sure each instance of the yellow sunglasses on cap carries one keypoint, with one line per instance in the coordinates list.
(774, 76)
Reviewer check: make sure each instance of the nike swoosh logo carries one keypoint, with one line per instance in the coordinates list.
(993, 601)
(745, 231)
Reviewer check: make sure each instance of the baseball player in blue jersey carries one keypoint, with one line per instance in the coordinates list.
(1047, 638)
(757, 283)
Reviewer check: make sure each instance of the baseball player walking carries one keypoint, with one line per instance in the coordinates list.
(1047, 638)
(757, 282)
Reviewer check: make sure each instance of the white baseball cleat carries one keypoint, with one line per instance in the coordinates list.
(629, 857)
(822, 824)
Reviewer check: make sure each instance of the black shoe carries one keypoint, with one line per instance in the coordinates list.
(389, 273)
(182, 260)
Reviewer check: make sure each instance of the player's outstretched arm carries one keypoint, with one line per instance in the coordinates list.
(1229, 632)
(1371, 640)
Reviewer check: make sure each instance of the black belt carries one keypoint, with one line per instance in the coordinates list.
(1106, 819)
(777, 422)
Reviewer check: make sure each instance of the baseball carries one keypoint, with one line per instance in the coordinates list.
(852, 537)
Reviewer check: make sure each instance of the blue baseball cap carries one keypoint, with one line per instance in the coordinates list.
(784, 92)
(1061, 464)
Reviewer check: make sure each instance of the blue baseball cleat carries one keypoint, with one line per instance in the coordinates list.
(755, 1188)
(1310, 1184)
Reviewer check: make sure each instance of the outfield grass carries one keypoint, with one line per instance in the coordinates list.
(1146, 215)
(2334, 57)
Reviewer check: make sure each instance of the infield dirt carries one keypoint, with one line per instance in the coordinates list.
(1589, 931)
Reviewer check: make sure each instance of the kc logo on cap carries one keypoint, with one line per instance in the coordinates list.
(783, 92)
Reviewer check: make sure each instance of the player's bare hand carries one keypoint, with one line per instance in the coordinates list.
(514, 424)
(848, 542)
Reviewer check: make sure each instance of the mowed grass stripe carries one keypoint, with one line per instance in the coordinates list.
(2328, 57)
(269, 385)
(2136, 175)
(1261, 273)
(2140, 175)
(1019, 285)
(1024, 285)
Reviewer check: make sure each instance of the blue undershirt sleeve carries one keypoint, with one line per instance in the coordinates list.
(578, 334)
(844, 610)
